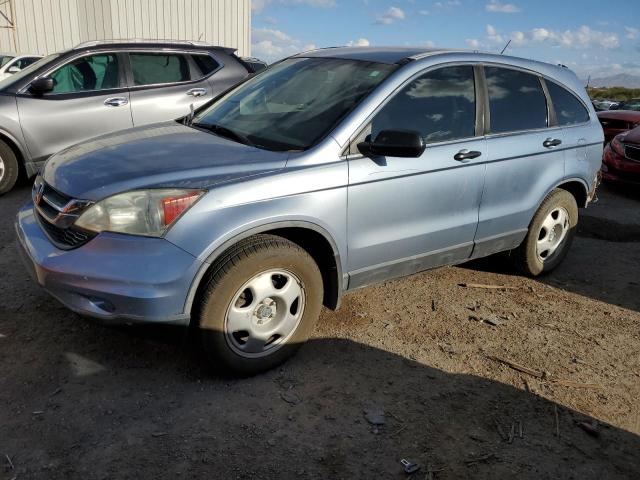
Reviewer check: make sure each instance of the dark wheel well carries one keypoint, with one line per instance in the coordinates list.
(322, 252)
(578, 191)
(17, 153)
(316, 245)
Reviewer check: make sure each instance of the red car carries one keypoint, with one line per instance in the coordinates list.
(615, 122)
(621, 159)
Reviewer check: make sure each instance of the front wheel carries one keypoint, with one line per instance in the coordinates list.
(260, 303)
(8, 168)
(550, 235)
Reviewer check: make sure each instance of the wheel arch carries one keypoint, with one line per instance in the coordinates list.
(17, 149)
(310, 236)
(576, 187)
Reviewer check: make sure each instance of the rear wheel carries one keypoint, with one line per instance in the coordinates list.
(550, 235)
(8, 168)
(260, 304)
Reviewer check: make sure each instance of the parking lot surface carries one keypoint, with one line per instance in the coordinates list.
(539, 379)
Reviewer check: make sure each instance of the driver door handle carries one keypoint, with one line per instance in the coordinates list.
(551, 142)
(116, 101)
(197, 92)
(466, 155)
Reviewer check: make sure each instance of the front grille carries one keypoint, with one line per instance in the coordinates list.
(632, 153)
(64, 238)
(57, 213)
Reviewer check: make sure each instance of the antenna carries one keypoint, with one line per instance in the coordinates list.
(505, 47)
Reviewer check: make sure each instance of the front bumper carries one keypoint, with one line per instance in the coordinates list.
(113, 277)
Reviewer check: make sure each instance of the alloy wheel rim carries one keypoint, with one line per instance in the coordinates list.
(264, 313)
(553, 231)
(1, 169)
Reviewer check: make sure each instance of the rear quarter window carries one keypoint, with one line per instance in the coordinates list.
(206, 64)
(569, 110)
(516, 100)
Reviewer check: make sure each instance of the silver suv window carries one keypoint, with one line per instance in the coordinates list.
(157, 68)
(440, 104)
(516, 100)
(92, 72)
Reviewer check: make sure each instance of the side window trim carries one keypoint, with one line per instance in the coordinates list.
(350, 147)
(552, 119)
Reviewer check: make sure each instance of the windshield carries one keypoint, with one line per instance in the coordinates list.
(16, 77)
(4, 59)
(295, 103)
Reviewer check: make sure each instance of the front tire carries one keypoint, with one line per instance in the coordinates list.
(260, 304)
(9, 168)
(550, 235)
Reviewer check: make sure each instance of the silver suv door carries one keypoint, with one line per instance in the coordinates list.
(88, 99)
(526, 155)
(164, 85)
(410, 214)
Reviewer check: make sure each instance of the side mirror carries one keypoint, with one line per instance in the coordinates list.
(14, 69)
(394, 143)
(41, 85)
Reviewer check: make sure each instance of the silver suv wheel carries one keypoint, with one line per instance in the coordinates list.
(264, 313)
(553, 231)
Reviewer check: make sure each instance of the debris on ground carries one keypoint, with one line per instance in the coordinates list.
(291, 397)
(590, 427)
(494, 322)
(489, 287)
(375, 416)
(409, 466)
(481, 459)
(518, 367)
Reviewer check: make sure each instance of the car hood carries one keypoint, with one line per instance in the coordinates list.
(154, 156)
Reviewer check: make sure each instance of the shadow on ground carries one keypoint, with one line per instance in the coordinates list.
(604, 260)
(119, 403)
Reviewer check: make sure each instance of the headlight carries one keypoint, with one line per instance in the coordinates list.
(616, 145)
(139, 212)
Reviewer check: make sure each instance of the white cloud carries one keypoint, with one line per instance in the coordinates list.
(423, 12)
(361, 42)
(496, 6)
(473, 43)
(583, 37)
(429, 44)
(391, 15)
(269, 44)
(259, 5)
(632, 33)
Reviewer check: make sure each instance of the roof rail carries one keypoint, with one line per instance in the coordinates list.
(93, 43)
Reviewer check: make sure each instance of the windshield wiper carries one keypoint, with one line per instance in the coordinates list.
(224, 132)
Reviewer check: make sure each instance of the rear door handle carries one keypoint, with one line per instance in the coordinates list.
(465, 155)
(197, 92)
(551, 142)
(116, 101)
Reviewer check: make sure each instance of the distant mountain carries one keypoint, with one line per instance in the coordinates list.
(618, 80)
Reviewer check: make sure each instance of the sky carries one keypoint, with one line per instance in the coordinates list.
(592, 37)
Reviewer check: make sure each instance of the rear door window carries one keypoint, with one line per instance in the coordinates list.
(206, 64)
(516, 100)
(569, 110)
(158, 68)
(93, 72)
(440, 105)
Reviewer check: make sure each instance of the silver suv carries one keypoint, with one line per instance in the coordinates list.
(329, 171)
(100, 87)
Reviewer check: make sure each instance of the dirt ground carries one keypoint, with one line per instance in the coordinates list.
(409, 369)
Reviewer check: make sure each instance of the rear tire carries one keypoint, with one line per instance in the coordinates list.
(259, 305)
(550, 235)
(9, 168)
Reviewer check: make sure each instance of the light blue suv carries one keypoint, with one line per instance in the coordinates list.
(329, 171)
